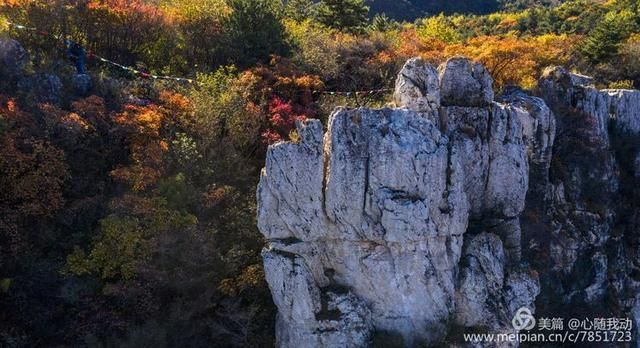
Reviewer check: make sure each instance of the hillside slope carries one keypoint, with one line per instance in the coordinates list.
(412, 9)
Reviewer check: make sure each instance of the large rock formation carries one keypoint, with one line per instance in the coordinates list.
(588, 225)
(404, 226)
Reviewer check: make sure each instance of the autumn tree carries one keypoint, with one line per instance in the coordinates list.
(200, 34)
(511, 60)
(438, 27)
(629, 63)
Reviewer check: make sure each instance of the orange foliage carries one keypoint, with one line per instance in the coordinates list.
(174, 102)
(516, 61)
(14, 3)
(146, 128)
(411, 45)
(510, 59)
(75, 122)
(33, 173)
(284, 80)
(215, 195)
(147, 148)
(91, 108)
(141, 120)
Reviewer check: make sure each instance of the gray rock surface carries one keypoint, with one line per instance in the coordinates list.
(488, 294)
(310, 316)
(418, 87)
(379, 208)
(588, 224)
(393, 224)
(13, 58)
(489, 145)
(81, 84)
(42, 87)
(538, 134)
(409, 225)
(623, 109)
(464, 83)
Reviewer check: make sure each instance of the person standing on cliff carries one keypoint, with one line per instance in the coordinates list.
(77, 54)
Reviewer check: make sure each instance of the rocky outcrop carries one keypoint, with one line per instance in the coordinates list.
(42, 87)
(13, 58)
(81, 84)
(407, 226)
(588, 226)
(417, 86)
(464, 83)
(376, 225)
(38, 87)
(405, 211)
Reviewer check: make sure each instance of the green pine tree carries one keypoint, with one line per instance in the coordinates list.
(255, 31)
(300, 10)
(345, 15)
(382, 23)
(603, 41)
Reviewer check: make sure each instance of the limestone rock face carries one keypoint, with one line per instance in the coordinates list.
(489, 293)
(407, 226)
(394, 217)
(290, 197)
(314, 318)
(464, 83)
(380, 208)
(538, 134)
(417, 86)
(589, 219)
(624, 108)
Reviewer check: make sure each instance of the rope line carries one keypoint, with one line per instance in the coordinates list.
(92, 55)
(143, 74)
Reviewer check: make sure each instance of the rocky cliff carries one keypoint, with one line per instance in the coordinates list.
(410, 225)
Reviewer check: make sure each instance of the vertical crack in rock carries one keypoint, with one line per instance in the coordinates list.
(366, 185)
(407, 224)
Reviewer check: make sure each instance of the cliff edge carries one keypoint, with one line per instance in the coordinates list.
(410, 225)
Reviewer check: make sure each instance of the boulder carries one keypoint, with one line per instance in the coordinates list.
(42, 87)
(417, 87)
(464, 83)
(13, 58)
(81, 84)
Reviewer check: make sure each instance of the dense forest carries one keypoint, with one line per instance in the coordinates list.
(412, 9)
(127, 202)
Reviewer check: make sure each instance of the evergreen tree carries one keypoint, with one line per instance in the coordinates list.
(382, 23)
(604, 40)
(300, 10)
(255, 30)
(345, 15)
